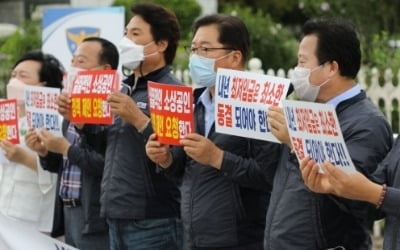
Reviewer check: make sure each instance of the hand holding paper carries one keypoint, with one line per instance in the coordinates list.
(158, 152)
(314, 180)
(123, 106)
(34, 143)
(56, 144)
(202, 150)
(337, 181)
(64, 104)
(277, 125)
(11, 151)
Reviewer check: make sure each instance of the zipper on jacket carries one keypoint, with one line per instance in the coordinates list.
(394, 238)
(106, 201)
(191, 205)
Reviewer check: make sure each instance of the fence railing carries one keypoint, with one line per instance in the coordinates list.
(381, 88)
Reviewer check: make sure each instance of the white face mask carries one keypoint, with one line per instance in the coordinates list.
(301, 82)
(71, 74)
(131, 54)
(16, 90)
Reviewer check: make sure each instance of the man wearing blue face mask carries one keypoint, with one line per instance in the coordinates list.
(225, 179)
(329, 58)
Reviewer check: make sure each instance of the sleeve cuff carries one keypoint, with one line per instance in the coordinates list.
(228, 163)
(391, 203)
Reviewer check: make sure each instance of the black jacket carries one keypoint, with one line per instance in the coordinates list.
(132, 187)
(389, 172)
(300, 219)
(226, 207)
(91, 164)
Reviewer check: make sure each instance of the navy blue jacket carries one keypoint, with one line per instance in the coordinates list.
(132, 186)
(300, 219)
(226, 207)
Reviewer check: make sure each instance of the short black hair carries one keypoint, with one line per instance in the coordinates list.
(233, 32)
(163, 26)
(108, 54)
(337, 41)
(51, 70)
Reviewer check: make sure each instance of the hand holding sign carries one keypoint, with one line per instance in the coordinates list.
(64, 104)
(56, 144)
(126, 108)
(34, 143)
(157, 152)
(11, 151)
(277, 124)
(202, 150)
(314, 180)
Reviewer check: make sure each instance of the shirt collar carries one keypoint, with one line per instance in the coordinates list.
(206, 99)
(345, 95)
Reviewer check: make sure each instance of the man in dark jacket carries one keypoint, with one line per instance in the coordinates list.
(329, 58)
(79, 164)
(141, 205)
(225, 190)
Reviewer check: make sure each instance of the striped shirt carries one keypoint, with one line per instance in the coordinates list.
(70, 186)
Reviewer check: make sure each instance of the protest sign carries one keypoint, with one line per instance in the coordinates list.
(9, 121)
(16, 235)
(242, 100)
(89, 96)
(171, 109)
(314, 131)
(41, 108)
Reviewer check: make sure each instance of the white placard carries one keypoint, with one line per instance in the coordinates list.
(314, 131)
(242, 100)
(41, 109)
(16, 235)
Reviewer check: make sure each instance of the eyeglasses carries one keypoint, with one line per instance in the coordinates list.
(202, 51)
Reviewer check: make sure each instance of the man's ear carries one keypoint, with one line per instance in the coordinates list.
(107, 67)
(237, 57)
(334, 69)
(162, 45)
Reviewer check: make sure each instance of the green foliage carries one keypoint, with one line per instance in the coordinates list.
(26, 39)
(269, 41)
(13, 47)
(185, 10)
(382, 55)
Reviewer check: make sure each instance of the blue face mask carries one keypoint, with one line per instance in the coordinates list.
(202, 70)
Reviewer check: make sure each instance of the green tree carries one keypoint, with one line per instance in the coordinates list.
(27, 38)
(269, 41)
(186, 11)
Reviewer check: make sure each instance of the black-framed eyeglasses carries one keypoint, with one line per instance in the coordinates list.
(202, 51)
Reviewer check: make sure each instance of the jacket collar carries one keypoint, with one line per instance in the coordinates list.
(346, 103)
(152, 76)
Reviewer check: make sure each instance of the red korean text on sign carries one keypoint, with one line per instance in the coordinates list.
(9, 121)
(89, 96)
(171, 109)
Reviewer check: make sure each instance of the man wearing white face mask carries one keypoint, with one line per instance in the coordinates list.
(329, 58)
(140, 204)
(26, 191)
(225, 179)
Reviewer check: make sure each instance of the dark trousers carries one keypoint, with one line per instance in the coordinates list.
(147, 234)
(74, 222)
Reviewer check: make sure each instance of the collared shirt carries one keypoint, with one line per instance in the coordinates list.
(70, 186)
(345, 95)
(209, 106)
